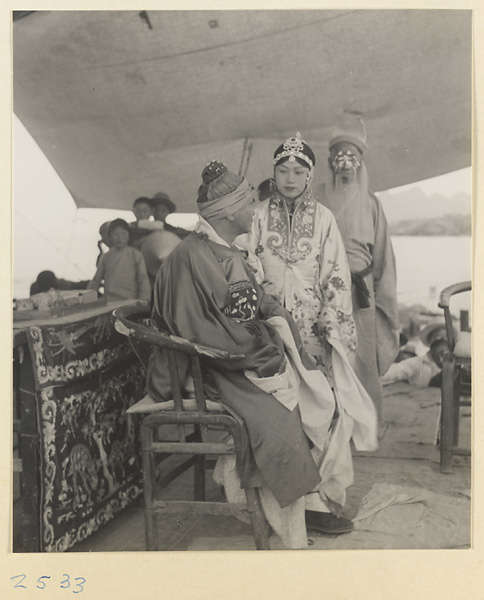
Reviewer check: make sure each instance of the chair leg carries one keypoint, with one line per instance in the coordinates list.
(199, 477)
(199, 467)
(260, 527)
(151, 529)
(447, 420)
(456, 408)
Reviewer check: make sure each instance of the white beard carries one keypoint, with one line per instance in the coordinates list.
(348, 200)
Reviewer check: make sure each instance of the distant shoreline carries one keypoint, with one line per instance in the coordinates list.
(456, 235)
(448, 225)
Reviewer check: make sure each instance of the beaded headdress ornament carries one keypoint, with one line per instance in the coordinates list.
(213, 171)
(294, 148)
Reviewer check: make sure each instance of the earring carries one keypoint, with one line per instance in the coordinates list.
(309, 190)
(272, 184)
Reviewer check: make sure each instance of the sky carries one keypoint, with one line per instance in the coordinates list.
(50, 232)
(447, 185)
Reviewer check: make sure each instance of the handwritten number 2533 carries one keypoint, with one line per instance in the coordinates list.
(77, 585)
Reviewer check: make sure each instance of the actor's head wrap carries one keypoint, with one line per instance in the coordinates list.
(295, 149)
(222, 192)
(351, 129)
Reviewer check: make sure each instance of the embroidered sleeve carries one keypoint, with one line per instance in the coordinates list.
(336, 318)
(241, 301)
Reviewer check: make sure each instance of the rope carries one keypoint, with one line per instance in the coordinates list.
(59, 250)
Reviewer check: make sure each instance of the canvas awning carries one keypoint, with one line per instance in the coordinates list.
(128, 103)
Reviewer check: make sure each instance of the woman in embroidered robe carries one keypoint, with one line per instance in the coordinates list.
(302, 259)
(297, 251)
(206, 292)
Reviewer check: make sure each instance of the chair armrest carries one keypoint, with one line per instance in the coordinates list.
(444, 302)
(457, 288)
(124, 324)
(140, 309)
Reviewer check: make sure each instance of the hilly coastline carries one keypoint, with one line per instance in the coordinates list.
(446, 225)
(412, 212)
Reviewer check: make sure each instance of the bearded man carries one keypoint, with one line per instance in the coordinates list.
(363, 227)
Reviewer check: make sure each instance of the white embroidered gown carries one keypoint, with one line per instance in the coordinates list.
(304, 266)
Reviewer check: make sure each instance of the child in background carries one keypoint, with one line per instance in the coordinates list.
(143, 226)
(122, 268)
(142, 210)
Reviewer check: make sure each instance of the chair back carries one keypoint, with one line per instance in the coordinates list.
(134, 321)
(133, 318)
(444, 303)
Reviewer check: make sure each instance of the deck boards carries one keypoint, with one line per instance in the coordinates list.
(407, 457)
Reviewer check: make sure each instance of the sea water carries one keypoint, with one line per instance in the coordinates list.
(425, 266)
(428, 264)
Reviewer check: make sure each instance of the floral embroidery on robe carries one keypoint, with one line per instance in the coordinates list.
(305, 268)
(302, 227)
(242, 301)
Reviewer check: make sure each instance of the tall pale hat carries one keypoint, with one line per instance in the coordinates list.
(351, 129)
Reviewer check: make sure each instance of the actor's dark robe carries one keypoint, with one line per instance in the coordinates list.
(205, 292)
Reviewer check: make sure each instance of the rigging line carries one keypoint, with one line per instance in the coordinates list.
(71, 237)
(244, 150)
(215, 47)
(50, 242)
(247, 160)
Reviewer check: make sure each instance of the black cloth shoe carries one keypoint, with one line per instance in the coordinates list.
(327, 522)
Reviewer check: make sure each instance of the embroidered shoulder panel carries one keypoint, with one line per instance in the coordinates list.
(291, 246)
(241, 301)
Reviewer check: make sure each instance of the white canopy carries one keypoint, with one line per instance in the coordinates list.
(128, 103)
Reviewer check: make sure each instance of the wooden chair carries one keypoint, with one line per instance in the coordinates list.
(193, 418)
(455, 384)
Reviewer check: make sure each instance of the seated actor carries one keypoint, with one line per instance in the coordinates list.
(299, 434)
